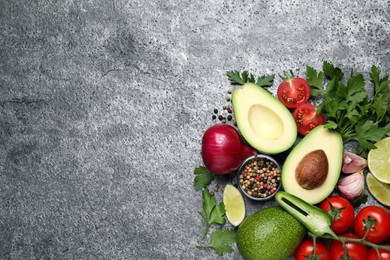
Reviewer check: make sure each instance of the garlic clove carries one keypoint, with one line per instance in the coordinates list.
(353, 163)
(351, 186)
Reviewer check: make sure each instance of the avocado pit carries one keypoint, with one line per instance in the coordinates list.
(312, 170)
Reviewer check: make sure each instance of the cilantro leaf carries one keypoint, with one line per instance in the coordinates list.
(315, 80)
(332, 72)
(203, 177)
(236, 78)
(209, 202)
(218, 215)
(221, 240)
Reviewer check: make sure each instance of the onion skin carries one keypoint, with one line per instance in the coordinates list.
(223, 149)
(353, 163)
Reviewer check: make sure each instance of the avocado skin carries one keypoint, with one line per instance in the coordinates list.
(269, 233)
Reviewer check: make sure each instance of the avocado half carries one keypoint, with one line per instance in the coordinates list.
(320, 138)
(263, 121)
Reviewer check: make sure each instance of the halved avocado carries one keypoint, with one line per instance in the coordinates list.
(313, 167)
(263, 121)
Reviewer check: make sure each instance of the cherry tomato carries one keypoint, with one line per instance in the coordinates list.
(356, 251)
(306, 118)
(305, 249)
(382, 225)
(341, 211)
(385, 254)
(293, 91)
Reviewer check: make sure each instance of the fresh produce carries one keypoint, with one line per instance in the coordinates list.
(221, 240)
(234, 205)
(379, 190)
(351, 186)
(323, 139)
(372, 254)
(265, 123)
(342, 213)
(347, 106)
(379, 160)
(365, 220)
(355, 250)
(316, 220)
(223, 149)
(306, 118)
(269, 233)
(305, 250)
(293, 91)
(353, 163)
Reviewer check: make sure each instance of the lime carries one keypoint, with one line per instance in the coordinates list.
(379, 190)
(379, 160)
(234, 205)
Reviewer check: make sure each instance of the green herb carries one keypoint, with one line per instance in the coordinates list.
(203, 177)
(361, 199)
(221, 241)
(237, 78)
(212, 213)
(347, 106)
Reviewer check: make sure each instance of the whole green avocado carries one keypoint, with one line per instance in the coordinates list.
(269, 233)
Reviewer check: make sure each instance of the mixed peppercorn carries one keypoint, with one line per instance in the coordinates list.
(260, 178)
(226, 115)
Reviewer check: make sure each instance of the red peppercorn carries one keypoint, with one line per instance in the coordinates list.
(258, 179)
(265, 185)
(245, 170)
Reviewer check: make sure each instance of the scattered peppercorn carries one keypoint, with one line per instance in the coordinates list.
(215, 111)
(214, 117)
(229, 117)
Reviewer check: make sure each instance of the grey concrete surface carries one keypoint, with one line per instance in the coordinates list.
(103, 105)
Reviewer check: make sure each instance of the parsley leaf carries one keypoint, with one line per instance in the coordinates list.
(209, 202)
(237, 78)
(315, 80)
(203, 177)
(222, 240)
(218, 214)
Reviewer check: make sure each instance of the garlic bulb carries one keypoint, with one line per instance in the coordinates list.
(353, 163)
(352, 185)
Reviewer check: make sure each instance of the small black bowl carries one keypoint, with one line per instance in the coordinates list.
(262, 193)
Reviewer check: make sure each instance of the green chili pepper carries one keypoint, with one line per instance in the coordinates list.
(316, 220)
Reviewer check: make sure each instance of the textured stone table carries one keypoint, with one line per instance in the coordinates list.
(103, 105)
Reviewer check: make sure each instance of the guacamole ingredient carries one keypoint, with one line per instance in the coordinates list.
(306, 250)
(306, 118)
(269, 233)
(372, 223)
(353, 163)
(221, 240)
(293, 91)
(342, 213)
(320, 138)
(373, 255)
(316, 220)
(312, 170)
(348, 107)
(379, 160)
(260, 177)
(234, 205)
(264, 122)
(351, 186)
(237, 78)
(342, 249)
(203, 177)
(379, 190)
(223, 149)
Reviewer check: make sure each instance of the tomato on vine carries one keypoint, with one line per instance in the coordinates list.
(355, 251)
(306, 248)
(374, 218)
(384, 254)
(306, 118)
(342, 213)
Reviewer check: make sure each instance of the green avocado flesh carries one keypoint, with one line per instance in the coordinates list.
(270, 233)
(318, 139)
(263, 121)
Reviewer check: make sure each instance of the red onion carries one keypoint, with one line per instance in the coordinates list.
(223, 149)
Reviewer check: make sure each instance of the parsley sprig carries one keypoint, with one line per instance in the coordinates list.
(348, 108)
(213, 213)
(237, 78)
